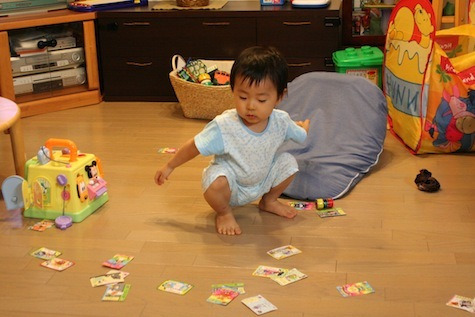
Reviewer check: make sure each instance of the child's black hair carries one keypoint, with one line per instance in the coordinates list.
(258, 63)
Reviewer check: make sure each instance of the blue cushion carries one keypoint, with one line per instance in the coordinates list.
(347, 130)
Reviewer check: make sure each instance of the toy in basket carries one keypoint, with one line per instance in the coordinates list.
(59, 185)
(201, 100)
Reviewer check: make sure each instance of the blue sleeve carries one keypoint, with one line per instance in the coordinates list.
(209, 141)
(295, 132)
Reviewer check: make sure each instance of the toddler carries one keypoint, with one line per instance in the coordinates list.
(244, 142)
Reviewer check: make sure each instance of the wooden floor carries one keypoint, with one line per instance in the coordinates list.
(416, 249)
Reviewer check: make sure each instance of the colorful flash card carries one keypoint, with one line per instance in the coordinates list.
(116, 292)
(291, 276)
(462, 302)
(268, 271)
(302, 205)
(258, 304)
(355, 289)
(106, 279)
(167, 150)
(118, 261)
(42, 225)
(222, 295)
(45, 253)
(283, 252)
(331, 212)
(57, 264)
(175, 287)
(239, 287)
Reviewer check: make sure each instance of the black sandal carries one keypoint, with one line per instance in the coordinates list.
(425, 182)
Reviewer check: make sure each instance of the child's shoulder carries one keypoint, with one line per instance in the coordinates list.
(280, 114)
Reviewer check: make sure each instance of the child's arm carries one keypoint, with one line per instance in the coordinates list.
(187, 152)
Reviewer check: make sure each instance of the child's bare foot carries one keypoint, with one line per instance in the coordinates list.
(226, 224)
(278, 208)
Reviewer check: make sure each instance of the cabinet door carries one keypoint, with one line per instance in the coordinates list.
(189, 37)
(308, 36)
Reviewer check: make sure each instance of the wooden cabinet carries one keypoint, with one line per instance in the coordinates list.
(62, 96)
(136, 45)
(140, 50)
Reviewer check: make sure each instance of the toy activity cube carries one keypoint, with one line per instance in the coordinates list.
(58, 183)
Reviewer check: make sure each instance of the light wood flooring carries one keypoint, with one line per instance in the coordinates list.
(416, 249)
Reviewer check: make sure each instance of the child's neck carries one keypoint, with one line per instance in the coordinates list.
(257, 127)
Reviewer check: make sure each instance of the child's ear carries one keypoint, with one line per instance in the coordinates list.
(284, 94)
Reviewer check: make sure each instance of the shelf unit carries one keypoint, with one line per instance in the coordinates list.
(348, 36)
(56, 100)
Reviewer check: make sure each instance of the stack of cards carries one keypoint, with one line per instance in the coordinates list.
(283, 252)
(291, 276)
(259, 305)
(111, 277)
(175, 287)
(116, 292)
(269, 271)
(45, 253)
(57, 264)
(223, 295)
(331, 212)
(462, 302)
(118, 261)
(355, 289)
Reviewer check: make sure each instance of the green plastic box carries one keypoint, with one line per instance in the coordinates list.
(365, 62)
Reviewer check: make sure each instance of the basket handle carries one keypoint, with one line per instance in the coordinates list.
(66, 143)
(178, 62)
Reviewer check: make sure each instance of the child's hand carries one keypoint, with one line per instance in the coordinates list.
(304, 124)
(162, 174)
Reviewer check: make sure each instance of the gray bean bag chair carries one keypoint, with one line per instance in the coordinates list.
(347, 129)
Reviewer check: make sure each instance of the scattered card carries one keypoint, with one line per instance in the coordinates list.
(291, 276)
(106, 279)
(283, 252)
(239, 287)
(462, 302)
(223, 295)
(331, 212)
(355, 289)
(175, 287)
(302, 205)
(167, 150)
(116, 292)
(118, 261)
(42, 225)
(259, 305)
(57, 264)
(268, 271)
(45, 253)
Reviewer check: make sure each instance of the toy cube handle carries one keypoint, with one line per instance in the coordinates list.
(73, 150)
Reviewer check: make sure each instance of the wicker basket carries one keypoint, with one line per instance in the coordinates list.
(192, 3)
(199, 101)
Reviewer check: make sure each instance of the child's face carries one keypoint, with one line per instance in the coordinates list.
(254, 103)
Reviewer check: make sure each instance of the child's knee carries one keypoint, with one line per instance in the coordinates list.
(219, 184)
